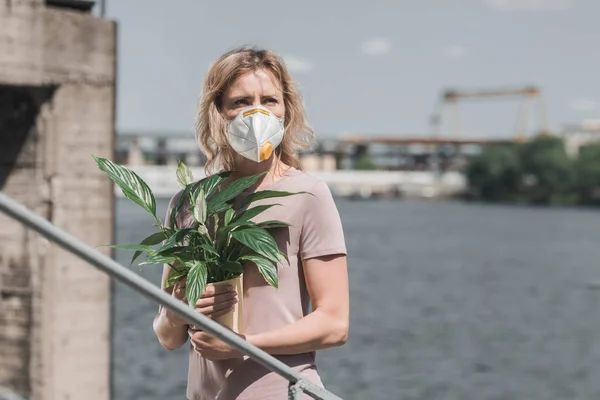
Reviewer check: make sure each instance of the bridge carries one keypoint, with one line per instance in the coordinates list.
(425, 140)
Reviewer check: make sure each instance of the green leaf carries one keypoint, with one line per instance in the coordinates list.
(267, 194)
(174, 276)
(258, 240)
(229, 214)
(202, 229)
(273, 224)
(235, 251)
(213, 182)
(132, 186)
(151, 240)
(215, 224)
(252, 212)
(210, 249)
(227, 229)
(159, 259)
(217, 203)
(139, 247)
(176, 251)
(176, 238)
(199, 208)
(155, 238)
(184, 175)
(266, 268)
(196, 281)
(284, 255)
(232, 266)
(183, 233)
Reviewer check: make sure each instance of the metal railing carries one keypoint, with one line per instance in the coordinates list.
(297, 384)
(7, 394)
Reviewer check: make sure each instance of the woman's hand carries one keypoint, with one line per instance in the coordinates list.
(216, 301)
(212, 348)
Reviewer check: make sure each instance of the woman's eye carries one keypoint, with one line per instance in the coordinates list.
(241, 102)
(270, 100)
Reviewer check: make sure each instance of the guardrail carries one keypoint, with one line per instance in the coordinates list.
(297, 384)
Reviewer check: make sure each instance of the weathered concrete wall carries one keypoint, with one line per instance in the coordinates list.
(57, 91)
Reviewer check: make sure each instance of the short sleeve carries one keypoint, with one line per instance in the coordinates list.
(174, 200)
(182, 219)
(322, 232)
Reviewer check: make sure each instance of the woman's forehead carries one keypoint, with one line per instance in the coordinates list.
(252, 83)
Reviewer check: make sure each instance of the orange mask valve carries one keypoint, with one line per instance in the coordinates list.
(265, 151)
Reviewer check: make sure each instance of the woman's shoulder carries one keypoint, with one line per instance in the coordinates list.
(302, 180)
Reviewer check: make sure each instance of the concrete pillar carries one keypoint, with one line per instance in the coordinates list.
(57, 95)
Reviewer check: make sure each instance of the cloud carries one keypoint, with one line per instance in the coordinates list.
(454, 51)
(584, 104)
(518, 5)
(376, 46)
(296, 64)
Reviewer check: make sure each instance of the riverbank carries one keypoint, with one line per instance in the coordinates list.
(343, 183)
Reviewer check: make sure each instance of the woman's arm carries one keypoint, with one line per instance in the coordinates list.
(327, 326)
(170, 329)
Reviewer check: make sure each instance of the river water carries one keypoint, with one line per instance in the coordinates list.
(448, 301)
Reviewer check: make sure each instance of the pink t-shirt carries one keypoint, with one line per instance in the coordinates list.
(316, 231)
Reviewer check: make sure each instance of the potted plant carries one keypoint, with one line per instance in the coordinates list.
(221, 239)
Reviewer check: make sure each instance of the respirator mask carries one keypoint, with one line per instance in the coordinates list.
(255, 132)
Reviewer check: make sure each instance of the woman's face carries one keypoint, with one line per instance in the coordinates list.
(251, 89)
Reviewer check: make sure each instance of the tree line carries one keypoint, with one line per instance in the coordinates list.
(536, 172)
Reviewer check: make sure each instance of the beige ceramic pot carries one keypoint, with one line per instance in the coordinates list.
(234, 319)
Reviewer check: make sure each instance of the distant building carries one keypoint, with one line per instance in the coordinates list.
(576, 136)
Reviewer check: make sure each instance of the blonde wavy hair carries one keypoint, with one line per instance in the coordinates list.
(211, 126)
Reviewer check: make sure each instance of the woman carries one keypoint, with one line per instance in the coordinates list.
(251, 120)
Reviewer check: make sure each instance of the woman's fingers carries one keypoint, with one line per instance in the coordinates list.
(217, 313)
(220, 313)
(215, 307)
(213, 290)
(216, 299)
(179, 292)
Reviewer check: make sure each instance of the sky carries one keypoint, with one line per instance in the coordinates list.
(372, 68)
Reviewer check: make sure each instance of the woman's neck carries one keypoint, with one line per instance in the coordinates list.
(273, 167)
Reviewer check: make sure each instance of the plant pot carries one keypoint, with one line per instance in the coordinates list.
(234, 319)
